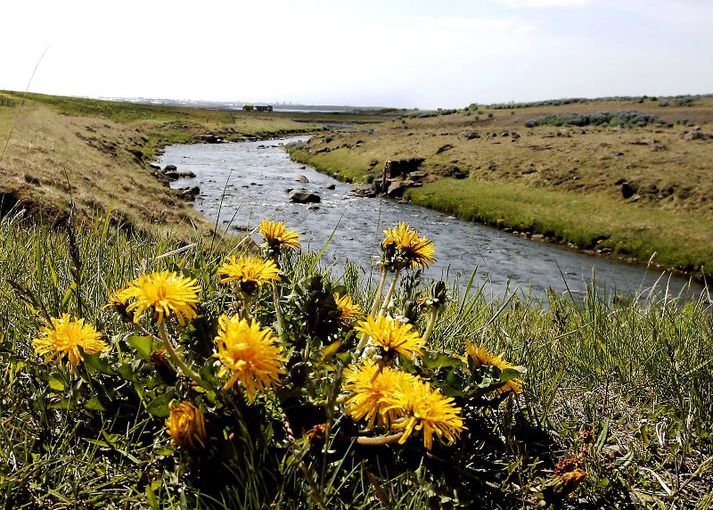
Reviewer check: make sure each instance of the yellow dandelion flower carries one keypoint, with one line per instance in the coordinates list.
(368, 400)
(391, 335)
(165, 293)
(186, 425)
(119, 300)
(348, 309)
(248, 353)
(481, 356)
(276, 235)
(65, 337)
(248, 272)
(403, 248)
(427, 410)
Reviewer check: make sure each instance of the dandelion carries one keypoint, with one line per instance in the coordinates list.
(186, 425)
(404, 248)
(165, 293)
(390, 335)
(277, 236)
(481, 356)
(248, 272)
(427, 410)
(249, 354)
(370, 387)
(348, 309)
(66, 337)
(119, 300)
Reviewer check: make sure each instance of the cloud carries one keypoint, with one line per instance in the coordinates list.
(516, 4)
(481, 25)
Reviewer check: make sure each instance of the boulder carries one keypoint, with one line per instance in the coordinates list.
(189, 193)
(444, 148)
(302, 179)
(694, 135)
(628, 189)
(329, 186)
(170, 168)
(210, 138)
(472, 135)
(456, 173)
(396, 188)
(301, 196)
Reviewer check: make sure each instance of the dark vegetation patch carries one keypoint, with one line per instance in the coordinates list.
(604, 118)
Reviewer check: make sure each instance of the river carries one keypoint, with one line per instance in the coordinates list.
(244, 182)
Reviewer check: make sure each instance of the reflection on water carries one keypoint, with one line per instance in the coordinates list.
(251, 180)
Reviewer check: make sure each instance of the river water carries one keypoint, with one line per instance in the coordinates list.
(241, 183)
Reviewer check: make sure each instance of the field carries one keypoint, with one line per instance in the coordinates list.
(630, 191)
(512, 402)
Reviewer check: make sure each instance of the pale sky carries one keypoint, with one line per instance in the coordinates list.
(430, 53)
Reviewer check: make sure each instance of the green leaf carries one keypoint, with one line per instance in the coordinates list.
(57, 381)
(126, 372)
(441, 361)
(165, 451)
(158, 407)
(94, 404)
(64, 404)
(96, 362)
(143, 345)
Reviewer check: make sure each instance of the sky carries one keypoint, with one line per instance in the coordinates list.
(427, 54)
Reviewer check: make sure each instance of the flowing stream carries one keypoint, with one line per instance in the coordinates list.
(241, 183)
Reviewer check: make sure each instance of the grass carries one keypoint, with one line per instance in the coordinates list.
(636, 375)
(642, 190)
(587, 221)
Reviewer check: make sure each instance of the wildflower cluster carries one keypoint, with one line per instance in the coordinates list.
(257, 345)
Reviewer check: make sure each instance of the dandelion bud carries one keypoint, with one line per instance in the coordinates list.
(186, 426)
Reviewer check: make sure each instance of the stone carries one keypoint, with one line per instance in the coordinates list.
(396, 188)
(444, 148)
(189, 193)
(329, 186)
(210, 138)
(694, 135)
(301, 196)
(155, 166)
(456, 173)
(170, 168)
(472, 135)
(302, 179)
(628, 190)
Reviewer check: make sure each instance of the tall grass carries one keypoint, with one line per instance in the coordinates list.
(635, 373)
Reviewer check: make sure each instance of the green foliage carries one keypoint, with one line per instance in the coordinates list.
(634, 375)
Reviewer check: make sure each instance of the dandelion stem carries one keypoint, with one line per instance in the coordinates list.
(431, 324)
(379, 367)
(374, 309)
(379, 441)
(176, 358)
(389, 293)
(278, 312)
(379, 291)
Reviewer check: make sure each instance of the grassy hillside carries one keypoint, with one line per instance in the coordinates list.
(628, 190)
(97, 154)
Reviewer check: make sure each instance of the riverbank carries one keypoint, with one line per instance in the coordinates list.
(94, 156)
(607, 190)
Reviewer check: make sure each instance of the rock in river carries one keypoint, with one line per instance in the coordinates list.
(301, 196)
